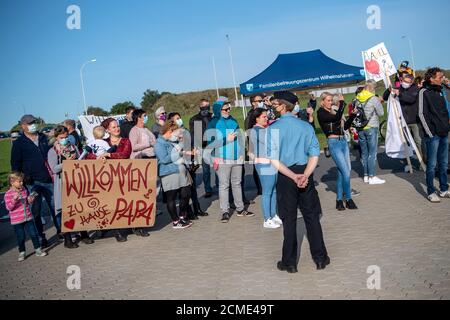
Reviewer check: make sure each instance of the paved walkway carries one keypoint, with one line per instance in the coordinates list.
(396, 229)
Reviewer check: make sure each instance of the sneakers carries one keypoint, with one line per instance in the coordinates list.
(225, 217)
(181, 224)
(434, 198)
(40, 253)
(355, 193)
(445, 194)
(366, 179)
(277, 220)
(376, 180)
(21, 256)
(350, 204)
(340, 205)
(245, 213)
(270, 224)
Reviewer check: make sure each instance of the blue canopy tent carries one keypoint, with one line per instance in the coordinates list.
(301, 71)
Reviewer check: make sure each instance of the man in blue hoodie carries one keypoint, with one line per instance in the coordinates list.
(226, 146)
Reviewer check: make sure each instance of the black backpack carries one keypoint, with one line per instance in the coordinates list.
(360, 121)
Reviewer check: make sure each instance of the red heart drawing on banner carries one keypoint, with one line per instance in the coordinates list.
(70, 224)
(372, 66)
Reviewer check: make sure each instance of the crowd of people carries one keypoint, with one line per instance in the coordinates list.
(279, 140)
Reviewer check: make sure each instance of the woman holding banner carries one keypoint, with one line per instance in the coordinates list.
(123, 151)
(63, 150)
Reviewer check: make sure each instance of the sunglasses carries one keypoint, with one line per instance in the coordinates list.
(226, 109)
(258, 101)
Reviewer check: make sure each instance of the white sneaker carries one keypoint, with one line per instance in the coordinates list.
(277, 220)
(40, 253)
(269, 224)
(407, 168)
(366, 179)
(445, 194)
(434, 198)
(21, 256)
(376, 180)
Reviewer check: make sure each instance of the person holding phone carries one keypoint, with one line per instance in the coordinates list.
(226, 144)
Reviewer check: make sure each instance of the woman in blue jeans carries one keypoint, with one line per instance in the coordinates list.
(266, 172)
(332, 124)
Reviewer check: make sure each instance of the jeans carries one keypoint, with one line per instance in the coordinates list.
(32, 232)
(368, 140)
(44, 190)
(437, 154)
(268, 177)
(341, 156)
(230, 173)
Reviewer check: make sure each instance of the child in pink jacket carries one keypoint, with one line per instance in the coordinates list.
(18, 203)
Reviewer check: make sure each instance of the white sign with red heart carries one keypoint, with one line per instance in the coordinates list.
(378, 63)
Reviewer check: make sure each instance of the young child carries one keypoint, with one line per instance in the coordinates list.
(18, 203)
(98, 145)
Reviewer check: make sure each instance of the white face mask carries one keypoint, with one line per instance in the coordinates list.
(33, 128)
(296, 109)
(179, 122)
(261, 105)
(406, 85)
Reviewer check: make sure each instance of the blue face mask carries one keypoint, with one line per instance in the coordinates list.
(296, 109)
(146, 119)
(64, 142)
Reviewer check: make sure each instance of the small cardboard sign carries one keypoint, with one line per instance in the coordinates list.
(116, 194)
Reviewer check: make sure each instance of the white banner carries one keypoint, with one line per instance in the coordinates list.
(395, 148)
(90, 122)
(378, 63)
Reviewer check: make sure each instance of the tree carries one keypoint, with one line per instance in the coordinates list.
(149, 99)
(119, 108)
(96, 111)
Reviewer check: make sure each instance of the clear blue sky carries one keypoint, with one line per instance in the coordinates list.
(168, 45)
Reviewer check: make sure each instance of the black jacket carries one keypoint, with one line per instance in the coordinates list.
(125, 128)
(195, 141)
(433, 111)
(409, 101)
(331, 124)
(31, 160)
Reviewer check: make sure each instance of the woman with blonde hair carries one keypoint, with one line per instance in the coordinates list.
(330, 119)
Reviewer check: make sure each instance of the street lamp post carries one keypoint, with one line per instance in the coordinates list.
(82, 83)
(412, 53)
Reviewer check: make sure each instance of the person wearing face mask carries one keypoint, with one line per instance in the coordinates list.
(160, 118)
(185, 143)
(257, 102)
(266, 172)
(175, 178)
(29, 155)
(142, 140)
(63, 150)
(408, 95)
(227, 149)
(197, 127)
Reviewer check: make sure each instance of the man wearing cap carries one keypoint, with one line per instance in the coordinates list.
(160, 120)
(292, 143)
(29, 155)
